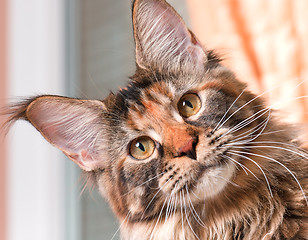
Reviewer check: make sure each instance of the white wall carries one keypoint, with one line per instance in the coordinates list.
(35, 169)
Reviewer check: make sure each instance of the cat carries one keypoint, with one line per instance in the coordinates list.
(185, 151)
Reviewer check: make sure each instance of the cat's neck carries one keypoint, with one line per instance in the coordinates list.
(175, 227)
(213, 219)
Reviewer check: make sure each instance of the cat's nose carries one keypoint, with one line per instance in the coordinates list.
(188, 149)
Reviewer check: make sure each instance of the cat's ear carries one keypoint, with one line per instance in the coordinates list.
(72, 125)
(162, 39)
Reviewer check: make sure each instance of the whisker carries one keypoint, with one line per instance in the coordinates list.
(160, 189)
(282, 143)
(237, 163)
(127, 216)
(240, 108)
(159, 216)
(191, 206)
(168, 207)
(194, 184)
(228, 181)
(261, 126)
(239, 153)
(142, 184)
(182, 217)
(174, 211)
(234, 141)
(171, 202)
(251, 131)
(185, 211)
(267, 235)
(258, 96)
(303, 154)
(195, 193)
(217, 126)
(276, 161)
(288, 100)
(272, 132)
(246, 122)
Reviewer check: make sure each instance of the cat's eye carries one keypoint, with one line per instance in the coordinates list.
(189, 105)
(142, 148)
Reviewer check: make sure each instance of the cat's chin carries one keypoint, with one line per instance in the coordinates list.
(214, 180)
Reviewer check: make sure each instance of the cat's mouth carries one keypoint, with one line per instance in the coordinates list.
(202, 177)
(203, 181)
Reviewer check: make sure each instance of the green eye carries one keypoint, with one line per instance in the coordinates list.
(189, 105)
(142, 148)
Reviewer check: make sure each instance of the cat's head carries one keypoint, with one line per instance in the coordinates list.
(166, 135)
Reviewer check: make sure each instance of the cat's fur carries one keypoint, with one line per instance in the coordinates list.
(248, 178)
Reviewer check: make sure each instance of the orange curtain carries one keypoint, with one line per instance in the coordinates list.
(265, 42)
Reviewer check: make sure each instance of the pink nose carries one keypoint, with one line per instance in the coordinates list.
(188, 149)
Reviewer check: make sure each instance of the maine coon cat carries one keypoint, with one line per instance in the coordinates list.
(185, 151)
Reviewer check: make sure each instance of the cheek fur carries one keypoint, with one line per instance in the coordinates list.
(139, 187)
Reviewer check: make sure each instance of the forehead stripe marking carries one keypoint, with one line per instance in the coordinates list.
(216, 85)
(220, 87)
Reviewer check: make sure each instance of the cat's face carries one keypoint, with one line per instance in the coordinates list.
(171, 140)
(168, 134)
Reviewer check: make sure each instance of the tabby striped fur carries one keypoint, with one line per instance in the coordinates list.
(249, 177)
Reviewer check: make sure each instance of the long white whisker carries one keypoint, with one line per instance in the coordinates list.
(268, 142)
(143, 183)
(195, 215)
(291, 173)
(152, 234)
(168, 207)
(258, 96)
(246, 122)
(287, 100)
(175, 202)
(250, 132)
(239, 153)
(160, 189)
(272, 132)
(182, 217)
(275, 147)
(242, 108)
(127, 216)
(185, 211)
(228, 181)
(242, 166)
(217, 126)
(195, 193)
(261, 126)
(171, 202)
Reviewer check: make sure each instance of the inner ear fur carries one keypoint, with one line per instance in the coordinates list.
(74, 126)
(162, 39)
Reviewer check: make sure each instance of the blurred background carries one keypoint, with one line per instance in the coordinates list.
(85, 48)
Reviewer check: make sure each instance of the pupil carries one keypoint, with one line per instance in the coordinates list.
(188, 104)
(140, 146)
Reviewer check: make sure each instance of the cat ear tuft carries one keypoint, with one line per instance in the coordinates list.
(72, 125)
(162, 39)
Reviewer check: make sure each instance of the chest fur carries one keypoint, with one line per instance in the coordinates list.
(173, 228)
